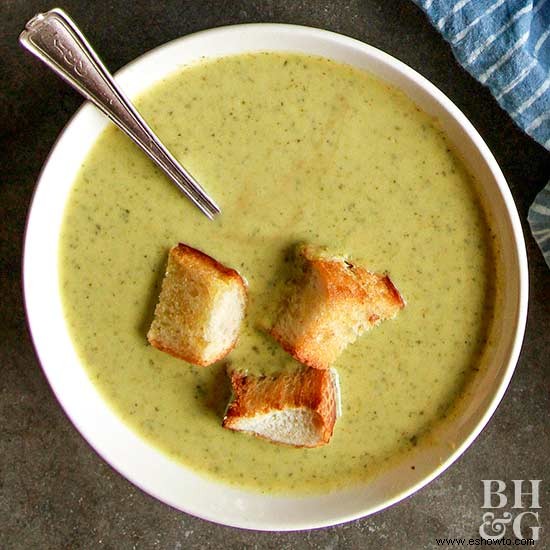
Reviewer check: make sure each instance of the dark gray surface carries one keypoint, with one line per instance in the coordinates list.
(55, 492)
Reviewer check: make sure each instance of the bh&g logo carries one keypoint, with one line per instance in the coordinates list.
(494, 527)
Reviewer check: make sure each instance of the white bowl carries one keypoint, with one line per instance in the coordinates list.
(148, 468)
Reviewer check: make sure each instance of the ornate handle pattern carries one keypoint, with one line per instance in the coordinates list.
(55, 39)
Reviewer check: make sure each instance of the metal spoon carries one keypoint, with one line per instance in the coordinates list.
(55, 39)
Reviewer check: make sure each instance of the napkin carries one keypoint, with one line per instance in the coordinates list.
(505, 45)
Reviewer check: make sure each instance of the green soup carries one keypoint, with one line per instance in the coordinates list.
(294, 149)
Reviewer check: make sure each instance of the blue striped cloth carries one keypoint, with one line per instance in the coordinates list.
(505, 45)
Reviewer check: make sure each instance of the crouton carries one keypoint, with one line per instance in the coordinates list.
(200, 309)
(331, 304)
(298, 409)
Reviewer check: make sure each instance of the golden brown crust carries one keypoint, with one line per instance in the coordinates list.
(308, 388)
(206, 269)
(187, 356)
(301, 349)
(185, 253)
(394, 296)
(333, 303)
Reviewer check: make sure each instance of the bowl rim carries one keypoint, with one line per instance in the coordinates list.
(511, 211)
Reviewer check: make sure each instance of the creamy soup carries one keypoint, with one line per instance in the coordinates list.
(294, 149)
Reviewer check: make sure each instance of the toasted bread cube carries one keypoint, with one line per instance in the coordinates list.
(200, 309)
(298, 409)
(333, 303)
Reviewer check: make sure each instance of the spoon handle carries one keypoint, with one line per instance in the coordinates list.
(55, 39)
